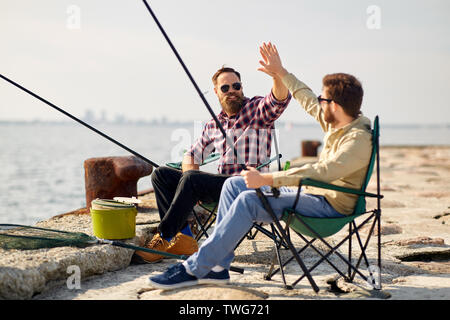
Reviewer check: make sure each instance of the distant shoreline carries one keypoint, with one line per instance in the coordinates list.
(280, 124)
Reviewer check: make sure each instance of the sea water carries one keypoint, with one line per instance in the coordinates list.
(41, 164)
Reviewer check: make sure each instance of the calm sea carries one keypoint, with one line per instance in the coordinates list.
(41, 164)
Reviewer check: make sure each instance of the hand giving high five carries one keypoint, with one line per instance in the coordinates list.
(272, 63)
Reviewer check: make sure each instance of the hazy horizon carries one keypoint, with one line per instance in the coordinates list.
(110, 57)
(165, 122)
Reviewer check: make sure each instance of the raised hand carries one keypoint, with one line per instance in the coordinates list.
(271, 63)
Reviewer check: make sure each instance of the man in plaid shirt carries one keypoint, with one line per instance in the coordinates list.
(248, 124)
(250, 132)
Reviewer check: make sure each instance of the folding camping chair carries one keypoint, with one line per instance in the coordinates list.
(257, 227)
(320, 228)
(211, 208)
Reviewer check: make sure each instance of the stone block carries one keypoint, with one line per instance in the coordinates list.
(110, 177)
(309, 148)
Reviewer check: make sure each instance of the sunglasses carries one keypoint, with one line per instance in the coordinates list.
(323, 99)
(226, 87)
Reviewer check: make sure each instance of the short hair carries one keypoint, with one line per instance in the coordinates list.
(223, 70)
(345, 90)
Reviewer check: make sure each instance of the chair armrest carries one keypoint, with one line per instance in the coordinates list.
(324, 185)
(211, 158)
(175, 165)
(269, 161)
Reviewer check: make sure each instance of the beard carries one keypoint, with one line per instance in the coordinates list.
(328, 116)
(232, 103)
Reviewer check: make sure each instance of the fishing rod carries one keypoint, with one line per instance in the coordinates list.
(189, 75)
(115, 243)
(219, 125)
(260, 194)
(79, 121)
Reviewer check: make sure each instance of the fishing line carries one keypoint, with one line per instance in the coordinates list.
(79, 121)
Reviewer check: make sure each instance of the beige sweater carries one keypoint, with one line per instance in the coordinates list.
(344, 158)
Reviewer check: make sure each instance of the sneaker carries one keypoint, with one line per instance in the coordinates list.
(212, 277)
(182, 244)
(157, 243)
(175, 277)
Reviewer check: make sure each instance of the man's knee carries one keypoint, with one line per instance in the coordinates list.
(251, 205)
(247, 199)
(236, 183)
(156, 174)
(161, 174)
(228, 184)
(191, 175)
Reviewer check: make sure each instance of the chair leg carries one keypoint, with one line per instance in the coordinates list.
(202, 227)
(206, 226)
(363, 248)
(284, 236)
(280, 262)
(333, 249)
(350, 249)
(296, 255)
(378, 217)
(376, 283)
(208, 223)
(289, 260)
(250, 235)
(324, 257)
(364, 256)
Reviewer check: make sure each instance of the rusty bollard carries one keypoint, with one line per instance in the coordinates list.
(309, 148)
(110, 177)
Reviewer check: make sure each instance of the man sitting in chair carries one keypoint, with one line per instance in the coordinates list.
(177, 191)
(343, 161)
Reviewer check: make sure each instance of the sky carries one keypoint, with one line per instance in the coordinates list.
(108, 56)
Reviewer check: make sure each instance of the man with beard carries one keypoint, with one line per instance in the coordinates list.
(343, 161)
(249, 122)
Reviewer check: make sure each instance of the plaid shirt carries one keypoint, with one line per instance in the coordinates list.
(250, 130)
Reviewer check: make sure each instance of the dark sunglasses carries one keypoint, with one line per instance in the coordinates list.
(236, 86)
(323, 99)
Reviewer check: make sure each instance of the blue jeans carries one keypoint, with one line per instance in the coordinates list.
(239, 207)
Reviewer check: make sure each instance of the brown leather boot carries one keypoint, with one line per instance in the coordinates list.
(157, 243)
(182, 244)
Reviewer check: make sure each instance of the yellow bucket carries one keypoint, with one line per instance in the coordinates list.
(113, 220)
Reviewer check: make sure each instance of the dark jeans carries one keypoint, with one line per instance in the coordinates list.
(177, 193)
